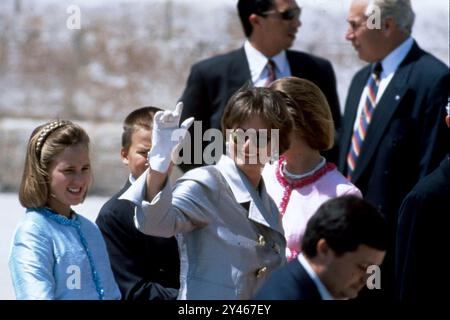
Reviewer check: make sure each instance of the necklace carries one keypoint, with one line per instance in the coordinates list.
(303, 180)
(293, 176)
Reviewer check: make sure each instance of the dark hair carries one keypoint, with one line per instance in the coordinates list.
(266, 103)
(141, 118)
(248, 7)
(345, 223)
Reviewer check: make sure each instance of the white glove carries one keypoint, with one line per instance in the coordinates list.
(167, 135)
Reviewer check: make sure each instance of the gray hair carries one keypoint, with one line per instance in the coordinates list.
(400, 10)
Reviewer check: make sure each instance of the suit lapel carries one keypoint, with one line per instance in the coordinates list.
(261, 210)
(295, 65)
(239, 72)
(384, 111)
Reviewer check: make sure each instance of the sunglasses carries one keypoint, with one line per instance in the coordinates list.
(260, 138)
(290, 14)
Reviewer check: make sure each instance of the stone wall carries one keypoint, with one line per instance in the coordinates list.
(128, 54)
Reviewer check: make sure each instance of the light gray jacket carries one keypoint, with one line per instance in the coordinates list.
(226, 252)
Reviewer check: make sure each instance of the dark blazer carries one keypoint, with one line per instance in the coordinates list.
(145, 267)
(422, 226)
(290, 282)
(214, 80)
(406, 138)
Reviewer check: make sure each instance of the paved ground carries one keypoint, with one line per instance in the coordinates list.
(12, 213)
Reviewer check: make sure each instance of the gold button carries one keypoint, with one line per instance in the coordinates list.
(261, 271)
(261, 240)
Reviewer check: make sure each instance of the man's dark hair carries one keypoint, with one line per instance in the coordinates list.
(141, 118)
(248, 7)
(345, 223)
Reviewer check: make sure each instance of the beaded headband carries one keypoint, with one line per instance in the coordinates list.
(48, 129)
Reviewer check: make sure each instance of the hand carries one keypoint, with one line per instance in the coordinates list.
(167, 135)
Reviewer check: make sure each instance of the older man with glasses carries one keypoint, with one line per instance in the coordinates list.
(270, 27)
(393, 130)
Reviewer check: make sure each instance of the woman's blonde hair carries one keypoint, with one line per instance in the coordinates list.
(310, 110)
(46, 142)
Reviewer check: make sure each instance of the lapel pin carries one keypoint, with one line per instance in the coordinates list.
(397, 97)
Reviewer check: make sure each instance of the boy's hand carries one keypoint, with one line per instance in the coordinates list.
(166, 136)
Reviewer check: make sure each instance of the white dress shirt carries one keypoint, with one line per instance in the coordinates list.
(324, 293)
(390, 64)
(257, 63)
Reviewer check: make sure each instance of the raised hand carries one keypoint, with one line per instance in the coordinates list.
(167, 135)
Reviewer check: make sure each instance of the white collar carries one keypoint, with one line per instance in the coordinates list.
(324, 293)
(391, 62)
(292, 176)
(136, 192)
(260, 209)
(257, 61)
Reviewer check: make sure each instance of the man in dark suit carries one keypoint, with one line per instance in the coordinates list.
(393, 133)
(422, 224)
(145, 267)
(270, 27)
(342, 240)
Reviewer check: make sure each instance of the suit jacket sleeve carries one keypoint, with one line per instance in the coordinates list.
(126, 261)
(330, 90)
(195, 104)
(434, 136)
(194, 98)
(167, 215)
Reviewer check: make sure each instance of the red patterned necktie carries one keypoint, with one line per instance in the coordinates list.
(271, 72)
(364, 120)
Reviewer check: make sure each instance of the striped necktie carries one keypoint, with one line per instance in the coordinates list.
(271, 72)
(364, 120)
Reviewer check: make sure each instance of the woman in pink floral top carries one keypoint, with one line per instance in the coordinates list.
(301, 180)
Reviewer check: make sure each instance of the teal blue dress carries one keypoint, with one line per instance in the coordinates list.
(54, 257)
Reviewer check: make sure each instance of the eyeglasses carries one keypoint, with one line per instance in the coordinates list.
(354, 26)
(289, 14)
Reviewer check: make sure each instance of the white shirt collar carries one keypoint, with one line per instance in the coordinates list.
(257, 62)
(391, 62)
(234, 178)
(131, 179)
(324, 293)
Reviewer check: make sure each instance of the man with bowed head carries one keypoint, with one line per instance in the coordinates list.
(342, 240)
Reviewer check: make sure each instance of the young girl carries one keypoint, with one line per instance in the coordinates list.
(301, 180)
(56, 253)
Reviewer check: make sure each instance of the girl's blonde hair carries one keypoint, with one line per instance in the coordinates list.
(46, 142)
(310, 110)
